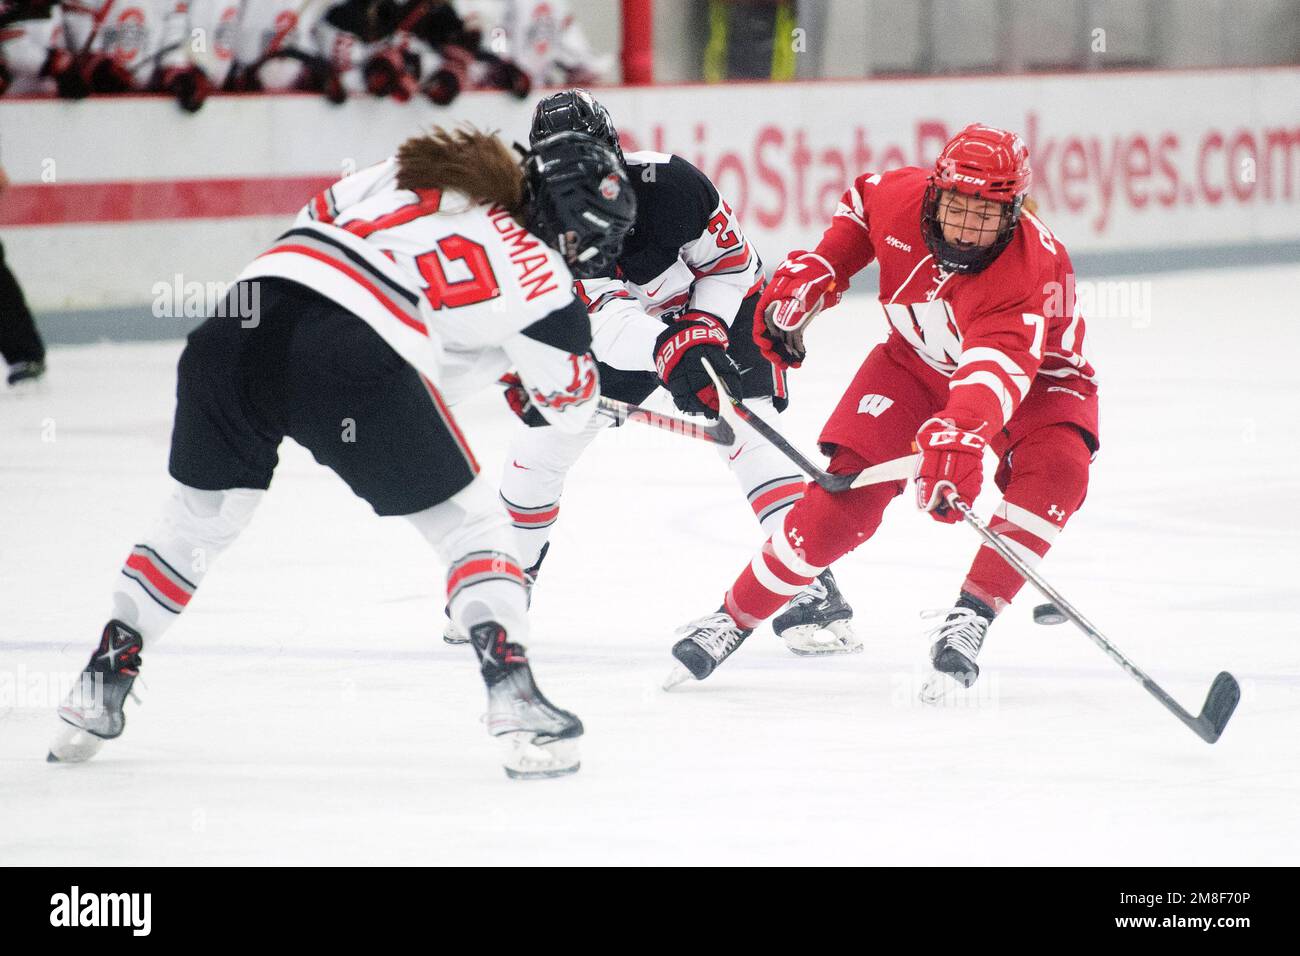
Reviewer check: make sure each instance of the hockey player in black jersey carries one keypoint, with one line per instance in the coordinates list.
(355, 321)
(682, 291)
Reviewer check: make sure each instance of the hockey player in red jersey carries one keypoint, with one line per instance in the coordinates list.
(985, 350)
(402, 288)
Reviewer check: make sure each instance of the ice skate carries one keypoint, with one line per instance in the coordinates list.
(541, 739)
(705, 644)
(93, 711)
(24, 375)
(818, 621)
(958, 640)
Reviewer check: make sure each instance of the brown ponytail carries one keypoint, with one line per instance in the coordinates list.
(467, 160)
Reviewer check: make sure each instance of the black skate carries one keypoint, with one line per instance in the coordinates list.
(93, 711)
(818, 621)
(705, 644)
(454, 635)
(25, 372)
(960, 636)
(542, 738)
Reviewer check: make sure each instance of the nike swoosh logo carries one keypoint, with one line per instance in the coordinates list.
(520, 467)
(738, 451)
(656, 291)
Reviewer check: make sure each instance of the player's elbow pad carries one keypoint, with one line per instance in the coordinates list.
(569, 406)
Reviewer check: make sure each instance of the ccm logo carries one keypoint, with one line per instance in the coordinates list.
(938, 439)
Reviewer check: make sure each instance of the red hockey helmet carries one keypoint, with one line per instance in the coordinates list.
(983, 163)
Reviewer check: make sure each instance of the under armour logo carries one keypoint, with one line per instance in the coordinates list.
(874, 405)
(795, 537)
(1055, 512)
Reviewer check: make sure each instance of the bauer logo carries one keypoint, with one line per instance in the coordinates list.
(100, 910)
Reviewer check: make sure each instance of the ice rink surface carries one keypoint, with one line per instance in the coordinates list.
(304, 709)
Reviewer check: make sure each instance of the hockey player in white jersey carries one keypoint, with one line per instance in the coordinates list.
(403, 287)
(683, 290)
(274, 49)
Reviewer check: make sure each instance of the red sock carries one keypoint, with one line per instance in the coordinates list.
(1049, 480)
(818, 530)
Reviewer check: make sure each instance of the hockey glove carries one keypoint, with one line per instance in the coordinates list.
(952, 459)
(92, 73)
(443, 87)
(680, 351)
(189, 85)
(520, 403)
(504, 75)
(388, 74)
(802, 286)
(451, 77)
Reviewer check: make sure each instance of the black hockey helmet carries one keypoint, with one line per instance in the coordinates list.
(579, 201)
(575, 111)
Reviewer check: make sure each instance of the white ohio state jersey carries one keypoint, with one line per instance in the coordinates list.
(460, 290)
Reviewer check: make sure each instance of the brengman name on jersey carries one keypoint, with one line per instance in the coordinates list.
(460, 290)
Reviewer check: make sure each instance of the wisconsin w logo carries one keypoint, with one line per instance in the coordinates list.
(873, 405)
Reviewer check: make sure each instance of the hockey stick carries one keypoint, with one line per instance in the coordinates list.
(1224, 693)
(897, 469)
(718, 433)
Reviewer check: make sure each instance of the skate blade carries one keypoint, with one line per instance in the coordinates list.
(810, 640)
(940, 685)
(453, 635)
(73, 745)
(679, 675)
(529, 757)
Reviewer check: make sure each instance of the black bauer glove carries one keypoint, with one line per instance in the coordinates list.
(680, 351)
(520, 403)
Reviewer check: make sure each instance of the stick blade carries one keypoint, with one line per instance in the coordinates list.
(1220, 703)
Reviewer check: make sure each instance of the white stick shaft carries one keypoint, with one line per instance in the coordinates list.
(898, 469)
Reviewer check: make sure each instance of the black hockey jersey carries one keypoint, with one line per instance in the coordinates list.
(686, 253)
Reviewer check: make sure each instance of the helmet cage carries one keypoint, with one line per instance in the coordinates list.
(964, 259)
(578, 201)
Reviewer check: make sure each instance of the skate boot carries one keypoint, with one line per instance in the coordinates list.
(542, 740)
(818, 621)
(705, 644)
(454, 635)
(24, 373)
(959, 637)
(93, 711)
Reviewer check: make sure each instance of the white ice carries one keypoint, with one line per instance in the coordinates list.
(304, 709)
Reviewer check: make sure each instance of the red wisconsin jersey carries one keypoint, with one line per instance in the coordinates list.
(991, 332)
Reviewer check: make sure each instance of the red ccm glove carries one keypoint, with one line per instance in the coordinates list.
(520, 402)
(803, 285)
(952, 459)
